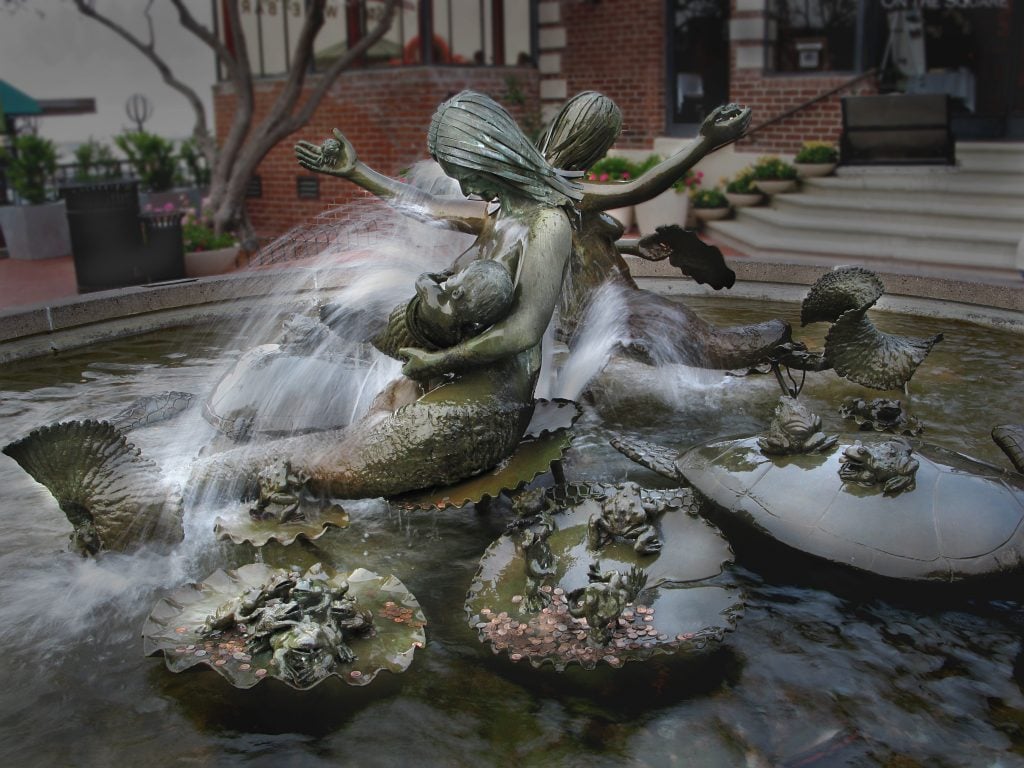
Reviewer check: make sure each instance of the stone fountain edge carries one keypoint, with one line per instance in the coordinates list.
(76, 322)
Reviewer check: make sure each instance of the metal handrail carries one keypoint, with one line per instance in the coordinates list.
(810, 102)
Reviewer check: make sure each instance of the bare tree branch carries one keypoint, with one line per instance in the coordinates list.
(340, 65)
(200, 128)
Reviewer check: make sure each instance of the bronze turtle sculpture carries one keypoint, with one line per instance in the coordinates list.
(901, 509)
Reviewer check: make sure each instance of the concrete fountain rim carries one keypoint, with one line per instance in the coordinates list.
(53, 327)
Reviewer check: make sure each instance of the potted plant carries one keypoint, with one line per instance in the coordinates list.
(816, 158)
(709, 204)
(155, 163)
(36, 229)
(609, 170)
(206, 252)
(95, 161)
(740, 190)
(773, 175)
(671, 206)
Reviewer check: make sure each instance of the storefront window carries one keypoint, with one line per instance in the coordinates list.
(812, 35)
(461, 32)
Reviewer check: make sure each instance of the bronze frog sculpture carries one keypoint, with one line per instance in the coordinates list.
(890, 464)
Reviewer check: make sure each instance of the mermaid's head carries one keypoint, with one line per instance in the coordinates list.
(582, 132)
(478, 143)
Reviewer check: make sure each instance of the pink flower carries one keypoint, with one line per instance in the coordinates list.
(625, 175)
(603, 177)
(168, 206)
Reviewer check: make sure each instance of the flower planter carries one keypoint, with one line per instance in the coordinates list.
(743, 199)
(157, 201)
(813, 170)
(775, 186)
(215, 262)
(36, 231)
(711, 214)
(624, 215)
(669, 207)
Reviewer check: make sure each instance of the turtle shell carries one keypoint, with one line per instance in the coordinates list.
(962, 519)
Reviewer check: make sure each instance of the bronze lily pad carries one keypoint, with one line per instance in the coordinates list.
(680, 610)
(175, 628)
(240, 526)
(532, 458)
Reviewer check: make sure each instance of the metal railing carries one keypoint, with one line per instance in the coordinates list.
(812, 101)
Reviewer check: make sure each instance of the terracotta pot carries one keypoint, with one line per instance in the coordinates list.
(669, 207)
(743, 199)
(775, 186)
(813, 170)
(215, 262)
(711, 214)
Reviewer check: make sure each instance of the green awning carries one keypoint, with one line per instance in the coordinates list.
(14, 103)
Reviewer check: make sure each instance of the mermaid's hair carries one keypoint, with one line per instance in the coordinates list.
(472, 131)
(582, 132)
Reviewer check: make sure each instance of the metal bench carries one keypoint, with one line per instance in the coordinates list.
(896, 129)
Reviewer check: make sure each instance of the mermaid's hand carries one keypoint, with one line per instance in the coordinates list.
(725, 124)
(421, 364)
(335, 157)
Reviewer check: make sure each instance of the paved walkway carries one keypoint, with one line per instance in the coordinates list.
(24, 283)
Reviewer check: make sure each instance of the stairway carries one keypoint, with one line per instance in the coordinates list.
(965, 220)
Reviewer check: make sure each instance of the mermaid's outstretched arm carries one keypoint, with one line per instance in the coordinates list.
(537, 290)
(724, 125)
(337, 157)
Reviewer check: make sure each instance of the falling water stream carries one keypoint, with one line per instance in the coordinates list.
(816, 673)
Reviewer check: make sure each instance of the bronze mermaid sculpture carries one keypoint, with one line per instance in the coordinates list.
(479, 380)
(585, 129)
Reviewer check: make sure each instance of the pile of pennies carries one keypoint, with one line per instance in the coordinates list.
(221, 648)
(554, 635)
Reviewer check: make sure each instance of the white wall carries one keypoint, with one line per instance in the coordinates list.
(63, 54)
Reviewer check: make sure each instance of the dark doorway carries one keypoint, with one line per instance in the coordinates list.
(971, 52)
(698, 62)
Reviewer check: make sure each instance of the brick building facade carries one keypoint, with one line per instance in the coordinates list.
(628, 49)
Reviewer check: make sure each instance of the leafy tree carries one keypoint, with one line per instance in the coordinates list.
(247, 141)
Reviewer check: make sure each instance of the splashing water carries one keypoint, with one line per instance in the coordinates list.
(603, 330)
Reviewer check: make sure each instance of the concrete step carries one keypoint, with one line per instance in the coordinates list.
(838, 226)
(950, 181)
(762, 234)
(987, 189)
(978, 219)
(991, 156)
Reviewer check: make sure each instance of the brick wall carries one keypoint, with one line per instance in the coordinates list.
(770, 94)
(385, 113)
(618, 48)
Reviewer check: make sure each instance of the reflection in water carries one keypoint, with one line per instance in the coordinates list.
(809, 675)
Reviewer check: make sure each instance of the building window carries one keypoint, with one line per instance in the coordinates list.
(456, 32)
(812, 35)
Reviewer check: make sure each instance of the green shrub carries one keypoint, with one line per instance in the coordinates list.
(688, 181)
(151, 156)
(742, 183)
(611, 169)
(30, 166)
(95, 161)
(771, 168)
(197, 230)
(708, 198)
(817, 152)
